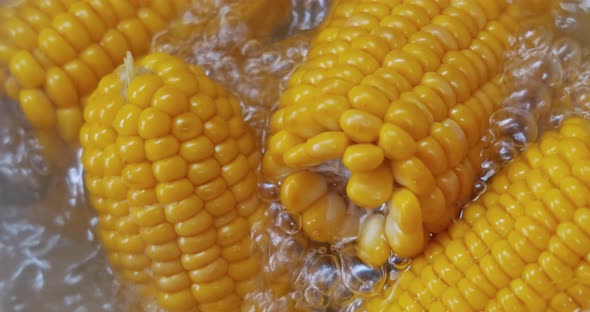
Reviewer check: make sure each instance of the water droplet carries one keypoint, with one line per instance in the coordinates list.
(531, 96)
(505, 150)
(535, 36)
(315, 298)
(323, 273)
(515, 124)
(569, 53)
(479, 188)
(288, 223)
(399, 263)
(291, 250)
(359, 277)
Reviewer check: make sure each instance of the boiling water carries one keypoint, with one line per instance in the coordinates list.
(51, 260)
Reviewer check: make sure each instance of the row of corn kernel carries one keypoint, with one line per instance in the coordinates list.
(19, 28)
(83, 43)
(523, 246)
(332, 109)
(171, 171)
(324, 214)
(360, 125)
(409, 119)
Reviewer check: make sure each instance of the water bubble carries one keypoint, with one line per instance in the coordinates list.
(340, 296)
(400, 264)
(291, 250)
(505, 150)
(555, 117)
(323, 273)
(531, 96)
(569, 53)
(514, 123)
(581, 98)
(479, 188)
(355, 306)
(553, 72)
(359, 277)
(315, 298)
(535, 36)
(288, 223)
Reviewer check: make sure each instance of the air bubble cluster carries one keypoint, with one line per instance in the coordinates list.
(547, 74)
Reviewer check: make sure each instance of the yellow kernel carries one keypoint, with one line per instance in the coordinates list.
(69, 122)
(27, 70)
(245, 188)
(211, 189)
(49, 39)
(282, 141)
(210, 272)
(194, 225)
(142, 197)
(115, 44)
(368, 99)
(413, 174)
(404, 63)
(301, 189)
(72, 30)
(226, 152)
(372, 245)
(38, 109)
(235, 171)
(216, 129)
(452, 139)
(97, 59)
(328, 209)
(170, 100)
(372, 188)
(203, 106)
(326, 146)
(233, 232)
(299, 121)
(142, 88)
(204, 171)
(245, 269)
(170, 169)
(60, 88)
(210, 292)
(197, 149)
(222, 205)
(408, 117)
(362, 157)
(396, 143)
(127, 120)
(359, 126)
(186, 126)
(154, 123)
(20, 32)
(160, 148)
(170, 192)
(403, 225)
(137, 35)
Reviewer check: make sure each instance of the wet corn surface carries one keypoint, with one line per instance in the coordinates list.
(81, 232)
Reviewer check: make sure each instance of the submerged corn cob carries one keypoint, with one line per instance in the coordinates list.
(523, 246)
(401, 92)
(171, 170)
(20, 24)
(59, 50)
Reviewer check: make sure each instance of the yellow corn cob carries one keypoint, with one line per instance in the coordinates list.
(400, 92)
(171, 170)
(59, 49)
(523, 246)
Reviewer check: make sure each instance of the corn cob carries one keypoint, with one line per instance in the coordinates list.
(400, 92)
(522, 246)
(59, 49)
(171, 169)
